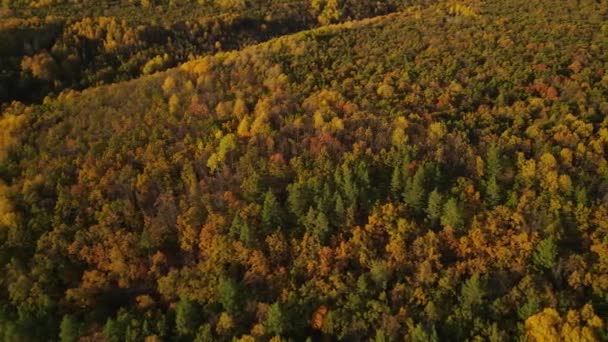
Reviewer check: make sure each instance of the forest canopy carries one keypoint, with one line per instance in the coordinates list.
(380, 171)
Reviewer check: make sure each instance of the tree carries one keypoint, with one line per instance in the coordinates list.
(452, 215)
(415, 190)
(275, 320)
(316, 222)
(420, 334)
(241, 230)
(544, 326)
(271, 212)
(472, 293)
(231, 4)
(434, 207)
(339, 210)
(493, 191)
(396, 180)
(204, 334)
(41, 65)
(545, 255)
(493, 163)
(187, 318)
(228, 294)
(69, 330)
(113, 330)
(578, 325)
(328, 11)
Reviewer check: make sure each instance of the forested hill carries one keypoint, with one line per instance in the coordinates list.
(435, 174)
(47, 46)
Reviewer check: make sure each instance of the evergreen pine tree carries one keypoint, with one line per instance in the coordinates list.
(228, 294)
(545, 255)
(69, 329)
(396, 185)
(451, 214)
(275, 321)
(415, 190)
(493, 163)
(187, 318)
(434, 207)
(271, 213)
(493, 191)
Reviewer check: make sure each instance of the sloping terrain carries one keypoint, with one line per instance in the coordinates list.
(48, 46)
(436, 174)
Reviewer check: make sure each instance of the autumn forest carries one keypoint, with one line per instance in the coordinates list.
(309, 170)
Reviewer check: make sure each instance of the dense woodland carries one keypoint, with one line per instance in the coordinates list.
(47, 46)
(418, 171)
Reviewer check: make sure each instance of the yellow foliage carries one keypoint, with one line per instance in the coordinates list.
(318, 120)
(258, 330)
(544, 326)
(547, 163)
(328, 11)
(225, 323)
(461, 9)
(260, 125)
(40, 65)
(240, 108)
(437, 130)
(246, 338)
(566, 156)
(528, 169)
(386, 91)
(231, 4)
(8, 217)
(337, 124)
(565, 183)
(480, 166)
(144, 301)
(243, 128)
(399, 137)
(169, 85)
(187, 230)
(10, 125)
(578, 326)
(173, 103)
(152, 338)
(549, 181)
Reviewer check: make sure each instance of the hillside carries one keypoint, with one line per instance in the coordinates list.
(47, 46)
(437, 173)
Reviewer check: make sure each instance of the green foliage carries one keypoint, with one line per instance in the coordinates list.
(316, 222)
(472, 292)
(187, 318)
(545, 255)
(113, 331)
(434, 209)
(415, 191)
(493, 162)
(493, 191)
(228, 292)
(69, 330)
(420, 334)
(271, 212)
(452, 214)
(204, 334)
(275, 320)
(530, 307)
